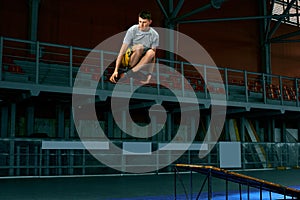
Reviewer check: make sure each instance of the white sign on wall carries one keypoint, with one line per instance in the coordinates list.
(230, 155)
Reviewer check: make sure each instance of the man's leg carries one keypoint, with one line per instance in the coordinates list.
(137, 52)
(146, 59)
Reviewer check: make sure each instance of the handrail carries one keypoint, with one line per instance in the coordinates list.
(241, 179)
(114, 53)
(19, 40)
(279, 155)
(256, 87)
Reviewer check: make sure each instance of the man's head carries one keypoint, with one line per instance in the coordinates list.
(144, 20)
(145, 15)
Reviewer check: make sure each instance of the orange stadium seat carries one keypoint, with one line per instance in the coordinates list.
(15, 69)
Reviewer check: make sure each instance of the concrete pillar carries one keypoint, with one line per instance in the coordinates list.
(269, 130)
(242, 136)
(283, 131)
(60, 121)
(169, 126)
(208, 133)
(13, 120)
(272, 132)
(30, 120)
(34, 14)
(72, 125)
(226, 130)
(242, 129)
(4, 122)
(110, 125)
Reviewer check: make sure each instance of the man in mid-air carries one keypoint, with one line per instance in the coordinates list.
(138, 49)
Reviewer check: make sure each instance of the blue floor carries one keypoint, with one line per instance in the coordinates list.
(141, 187)
(254, 195)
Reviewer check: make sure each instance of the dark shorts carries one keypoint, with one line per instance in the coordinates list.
(128, 53)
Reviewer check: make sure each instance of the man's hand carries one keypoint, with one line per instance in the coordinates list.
(113, 77)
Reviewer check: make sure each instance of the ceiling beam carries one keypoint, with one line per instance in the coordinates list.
(285, 36)
(177, 9)
(276, 26)
(162, 9)
(287, 41)
(268, 22)
(236, 18)
(186, 15)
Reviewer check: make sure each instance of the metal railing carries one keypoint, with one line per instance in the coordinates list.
(26, 157)
(39, 63)
(228, 178)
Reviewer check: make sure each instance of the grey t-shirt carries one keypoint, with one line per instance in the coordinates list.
(147, 38)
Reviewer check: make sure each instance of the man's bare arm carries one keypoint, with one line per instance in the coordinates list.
(118, 62)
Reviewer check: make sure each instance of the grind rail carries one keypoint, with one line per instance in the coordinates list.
(234, 177)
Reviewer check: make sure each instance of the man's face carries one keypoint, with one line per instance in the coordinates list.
(144, 24)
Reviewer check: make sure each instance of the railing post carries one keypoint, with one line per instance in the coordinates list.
(157, 76)
(297, 92)
(209, 185)
(226, 83)
(182, 77)
(191, 184)
(1, 56)
(281, 92)
(205, 81)
(248, 191)
(71, 162)
(102, 69)
(226, 190)
(83, 162)
(243, 142)
(40, 160)
(71, 67)
(240, 191)
(11, 157)
(18, 159)
(260, 193)
(175, 182)
(264, 88)
(36, 166)
(246, 85)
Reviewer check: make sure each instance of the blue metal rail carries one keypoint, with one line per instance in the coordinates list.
(234, 177)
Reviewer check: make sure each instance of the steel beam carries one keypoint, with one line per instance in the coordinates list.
(284, 36)
(276, 26)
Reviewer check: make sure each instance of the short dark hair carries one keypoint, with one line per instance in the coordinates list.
(145, 15)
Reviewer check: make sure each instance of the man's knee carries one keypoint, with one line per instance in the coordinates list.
(138, 49)
(150, 54)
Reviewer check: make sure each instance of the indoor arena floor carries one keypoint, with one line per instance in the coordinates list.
(134, 187)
